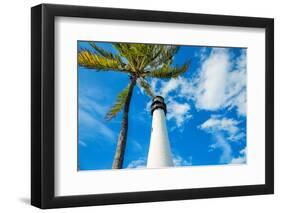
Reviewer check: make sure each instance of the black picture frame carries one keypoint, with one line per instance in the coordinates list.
(43, 111)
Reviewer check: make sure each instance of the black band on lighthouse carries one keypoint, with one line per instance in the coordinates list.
(158, 102)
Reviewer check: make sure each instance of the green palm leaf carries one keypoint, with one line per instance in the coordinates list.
(126, 51)
(101, 51)
(100, 63)
(119, 104)
(165, 56)
(167, 71)
(107, 54)
(145, 85)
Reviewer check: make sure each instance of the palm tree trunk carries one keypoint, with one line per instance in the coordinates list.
(122, 139)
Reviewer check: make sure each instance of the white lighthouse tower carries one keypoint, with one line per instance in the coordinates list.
(159, 154)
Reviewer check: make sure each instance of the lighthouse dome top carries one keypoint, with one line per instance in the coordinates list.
(158, 102)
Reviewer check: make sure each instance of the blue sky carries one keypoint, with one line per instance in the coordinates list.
(206, 117)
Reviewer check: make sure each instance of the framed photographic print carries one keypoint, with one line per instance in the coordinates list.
(140, 106)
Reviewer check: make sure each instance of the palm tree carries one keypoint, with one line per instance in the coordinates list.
(139, 62)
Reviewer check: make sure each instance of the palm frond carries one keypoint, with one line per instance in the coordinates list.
(100, 63)
(106, 54)
(119, 104)
(166, 71)
(145, 85)
(125, 50)
(167, 52)
(139, 55)
(101, 51)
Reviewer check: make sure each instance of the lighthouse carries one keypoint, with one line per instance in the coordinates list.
(159, 154)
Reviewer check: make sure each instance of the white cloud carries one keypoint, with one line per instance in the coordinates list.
(86, 120)
(169, 86)
(92, 106)
(179, 161)
(224, 146)
(91, 117)
(224, 131)
(236, 90)
(240, 159)
(139, 163)
(180, 87)
(153, 84)
(213, 79)
(201, 54)
(243, 151)
(236, 137)
(226, 125)
(178, 111)
(82, 143)
(220, 83)
(136, 145)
